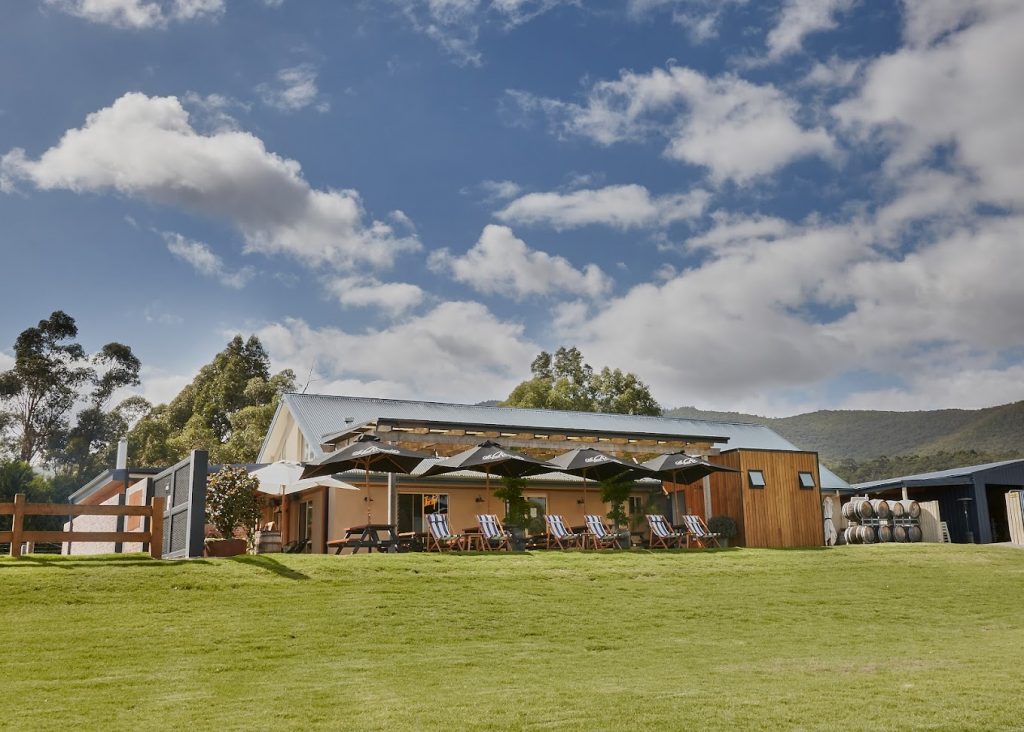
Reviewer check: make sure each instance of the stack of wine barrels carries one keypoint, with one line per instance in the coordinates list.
(877, 520)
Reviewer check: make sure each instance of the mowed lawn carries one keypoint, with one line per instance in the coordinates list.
(868, 637)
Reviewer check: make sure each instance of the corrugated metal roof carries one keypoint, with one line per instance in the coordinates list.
(936, 477)
(321, 415)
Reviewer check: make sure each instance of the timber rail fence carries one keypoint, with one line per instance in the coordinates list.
(19, 509)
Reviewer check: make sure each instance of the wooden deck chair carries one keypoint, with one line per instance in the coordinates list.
(698, 532)
(440, 536)
(558, 534)
(598, 534)
(662, 534)
(495, 535)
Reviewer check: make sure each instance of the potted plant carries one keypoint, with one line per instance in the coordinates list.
(615, 492)
(723, 525)
(517, 510)
(232, 503)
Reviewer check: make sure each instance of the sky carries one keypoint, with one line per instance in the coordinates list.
(771, 207)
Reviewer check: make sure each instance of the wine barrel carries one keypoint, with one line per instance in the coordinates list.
(851, 535)
(914, 533)
(880, 506)
(897, 509)
(885, 533)
(866, 535)
(913, 509)
(857, 509)
(899, 533)
(268, 542)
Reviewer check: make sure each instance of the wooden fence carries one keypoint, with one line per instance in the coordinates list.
(19, 509)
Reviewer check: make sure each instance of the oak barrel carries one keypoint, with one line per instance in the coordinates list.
(914, 533)
(880, 507)
(885, 533)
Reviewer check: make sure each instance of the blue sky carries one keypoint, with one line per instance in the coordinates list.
(771, 207)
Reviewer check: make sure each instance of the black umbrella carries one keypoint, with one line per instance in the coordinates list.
(589, 463)
(366, 453)
(678, 465)
(490, 458)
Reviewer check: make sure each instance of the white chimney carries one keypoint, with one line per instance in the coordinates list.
(122, 454)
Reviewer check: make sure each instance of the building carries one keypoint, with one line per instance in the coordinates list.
(775, 495)
(972, 500)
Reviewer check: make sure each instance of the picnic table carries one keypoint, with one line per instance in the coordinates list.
(475, 539)
(367, 536)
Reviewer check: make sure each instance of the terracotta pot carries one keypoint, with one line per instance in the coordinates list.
(225, 547)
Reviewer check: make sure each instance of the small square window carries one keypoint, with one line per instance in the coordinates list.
(806, 481)
(756, 478)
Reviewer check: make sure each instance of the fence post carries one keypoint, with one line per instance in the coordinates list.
(156, 528)
(18, 525)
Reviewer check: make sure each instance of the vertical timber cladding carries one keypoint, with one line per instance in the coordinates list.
(781, 514)
(184, 487)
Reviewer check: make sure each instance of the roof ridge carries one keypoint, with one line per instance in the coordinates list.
(498, 407)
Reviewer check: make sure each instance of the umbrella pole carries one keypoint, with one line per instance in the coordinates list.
(675, 498)
(369, 501)
(584, 492)
(488, 489)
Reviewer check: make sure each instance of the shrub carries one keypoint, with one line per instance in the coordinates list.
(615, 492)
(232, 501)
(723, 525)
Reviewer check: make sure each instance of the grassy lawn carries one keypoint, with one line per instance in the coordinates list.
(867, 637)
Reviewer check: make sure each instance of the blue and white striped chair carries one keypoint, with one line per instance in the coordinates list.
(495, 535)
(662, 533)
(698, 531)
(440, 537)
(558, 534)
(598, 534)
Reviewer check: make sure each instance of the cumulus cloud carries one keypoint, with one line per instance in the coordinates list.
(140, 14)
(798, 19)
(701, 18)
(392, 298)
(956, 87)
(294, 89)
(621, 206)
(736, 129)
(456, 351)
(145, 147)
(205, 261)
(499, 263)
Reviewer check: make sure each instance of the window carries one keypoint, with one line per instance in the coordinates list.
(413, 507)
(306, 520)
(756, 478)
(635, 506)
(538, 506)
(807, 481)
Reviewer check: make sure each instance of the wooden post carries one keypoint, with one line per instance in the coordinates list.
(17, 527)
(156, 528)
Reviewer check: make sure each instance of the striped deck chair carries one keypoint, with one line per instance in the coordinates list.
(558, 534)
(662, 533)
(698, 532)
(440, 536)
(495, 535)
(598, 534)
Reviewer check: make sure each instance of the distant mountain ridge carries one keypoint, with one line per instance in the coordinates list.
(862, 434)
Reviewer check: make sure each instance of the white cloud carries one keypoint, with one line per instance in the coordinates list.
(620, 206)
(736, 129)
(295, 89)
(455, 24)
(500, 190)
(160, 386)
(205, 261)
(956, 388)
(139, 14)
(835, 73)
(800, 18)
(456, 351)
(500, 263)
(392, 298)
(701, 18)
(145, 147)
(6, 361)
(957, 93)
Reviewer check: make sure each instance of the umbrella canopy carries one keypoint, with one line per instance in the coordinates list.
(491, 458)
(683, 468)
(587, 462)
(366, 453)
(285, 476)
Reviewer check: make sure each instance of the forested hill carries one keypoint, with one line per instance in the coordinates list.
(851, 440)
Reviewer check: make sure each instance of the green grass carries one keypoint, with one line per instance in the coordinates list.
(884, 637)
